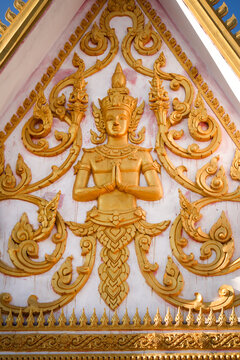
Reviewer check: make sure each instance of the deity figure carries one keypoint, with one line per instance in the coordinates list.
(116, 168)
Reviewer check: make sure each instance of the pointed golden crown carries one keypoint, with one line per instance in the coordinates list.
(118, 95)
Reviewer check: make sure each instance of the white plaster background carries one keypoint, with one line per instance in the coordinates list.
(140, 294)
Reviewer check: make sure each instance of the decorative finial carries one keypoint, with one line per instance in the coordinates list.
(118, 78)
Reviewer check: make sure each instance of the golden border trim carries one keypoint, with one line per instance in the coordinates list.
(119, 342)
(218, 31)
(172, 356)
(192, 71)
(20, 24)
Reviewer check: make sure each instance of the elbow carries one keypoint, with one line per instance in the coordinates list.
(75, 196)
(78, 196)
(158, 194)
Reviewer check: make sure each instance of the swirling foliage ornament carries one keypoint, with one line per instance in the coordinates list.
(73, 116)
(39, 126)
(8, 186)
(23, 242)
(97, 38)
(158, 98)
(144, 37)
(202, 128)
(95, 42)
(218, 185)
(219, 240)
(61, 283)
(159, 103)
(140, 35)
(197, 119)
(173, 281)
(102, 344)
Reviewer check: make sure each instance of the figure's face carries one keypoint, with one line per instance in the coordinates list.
(117, 122)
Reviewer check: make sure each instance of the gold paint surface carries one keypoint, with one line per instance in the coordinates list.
(116, 162)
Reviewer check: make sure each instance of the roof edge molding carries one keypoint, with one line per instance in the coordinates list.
(219, 31)
(19, 26)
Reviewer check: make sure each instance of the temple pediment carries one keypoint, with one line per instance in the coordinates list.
(119, 189)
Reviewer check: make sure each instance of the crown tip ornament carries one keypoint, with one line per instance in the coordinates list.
(118, 78)
(118, 95)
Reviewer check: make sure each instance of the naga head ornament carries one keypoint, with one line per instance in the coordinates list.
(118, 98)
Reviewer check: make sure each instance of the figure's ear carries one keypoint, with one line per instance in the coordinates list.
(100, 125)
(136, 116)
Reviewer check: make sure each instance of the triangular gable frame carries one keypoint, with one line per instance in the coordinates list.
(133, 341)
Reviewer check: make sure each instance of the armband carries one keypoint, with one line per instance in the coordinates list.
(151, 166)
(81, 166)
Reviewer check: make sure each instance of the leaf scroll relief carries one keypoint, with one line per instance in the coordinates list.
(39, 125)
(112, 228)
(219, 240)
(23, 245)
(202, 127)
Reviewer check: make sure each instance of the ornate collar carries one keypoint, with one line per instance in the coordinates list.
(108, 152)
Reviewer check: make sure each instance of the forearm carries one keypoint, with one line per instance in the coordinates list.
(150, 193)
(88, 194)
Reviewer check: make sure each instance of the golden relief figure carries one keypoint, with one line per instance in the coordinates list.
(116, 168)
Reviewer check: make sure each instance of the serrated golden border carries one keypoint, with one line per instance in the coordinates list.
(19, 27)
(214, 26)
(49, 323)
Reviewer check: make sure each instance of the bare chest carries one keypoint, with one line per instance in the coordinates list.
(106, 165)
